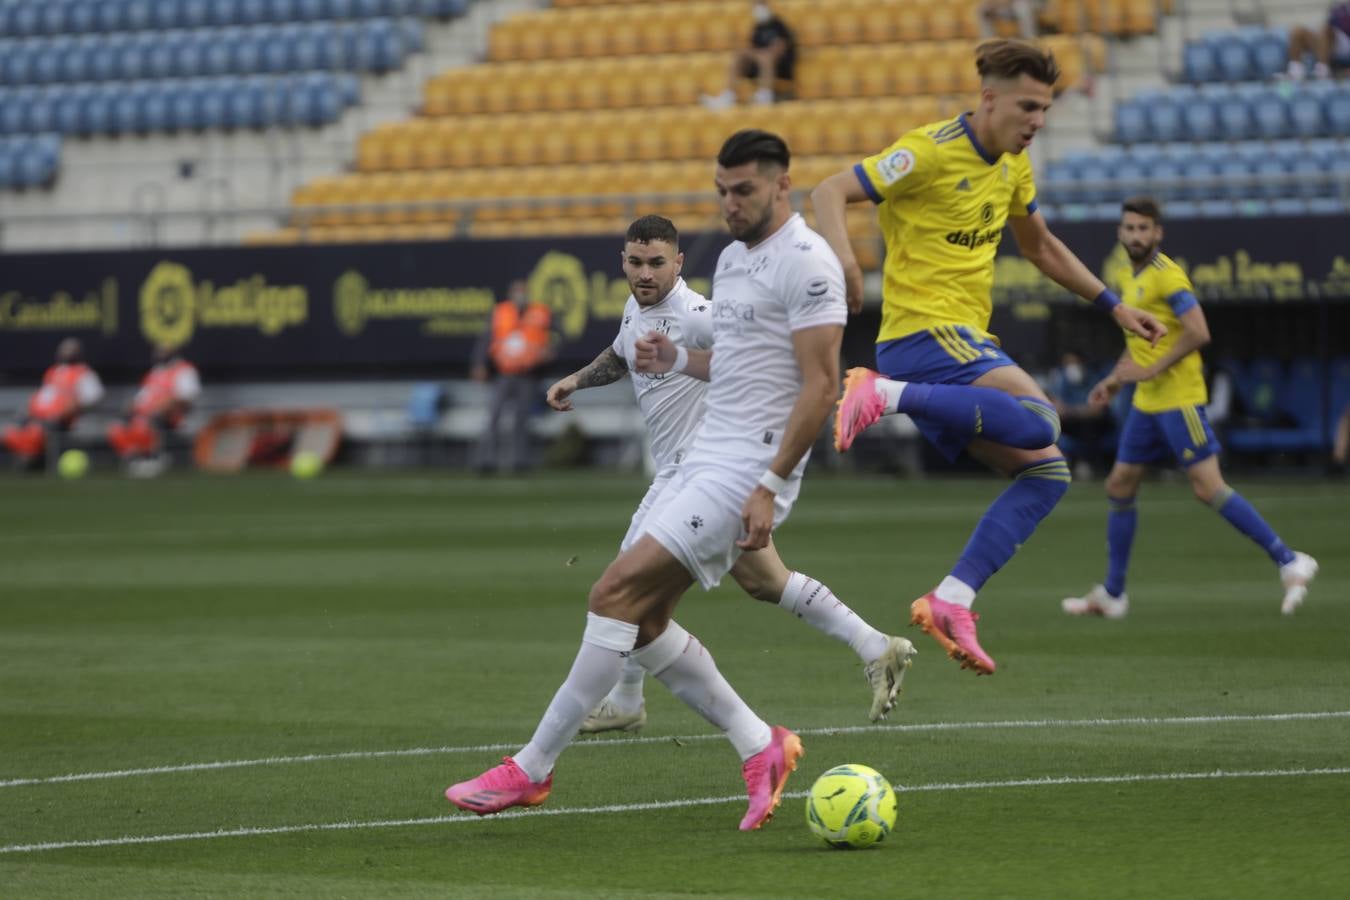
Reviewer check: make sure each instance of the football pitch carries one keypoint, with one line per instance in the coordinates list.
(261, 687)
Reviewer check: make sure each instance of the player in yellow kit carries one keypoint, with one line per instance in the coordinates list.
(944, 193)
(1167, 419)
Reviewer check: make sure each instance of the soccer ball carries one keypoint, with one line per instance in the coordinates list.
(73, 464)
(306, 465)
(851, 806)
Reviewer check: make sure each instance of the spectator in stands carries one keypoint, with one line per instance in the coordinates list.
(1329, 46)
(1083, 426)
(995, 14)
(68, 388)
(770, 60)
(517, 342)
(166, 393)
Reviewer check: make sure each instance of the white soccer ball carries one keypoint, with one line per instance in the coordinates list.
(851, 806)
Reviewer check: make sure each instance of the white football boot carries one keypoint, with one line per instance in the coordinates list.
(1097, 602)
(606, 717)
(885, 674)
(1296, 575)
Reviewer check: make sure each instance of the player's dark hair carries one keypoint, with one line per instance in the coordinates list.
(753, 145)
(1142, 205)
(653, 228)
(1006, 58)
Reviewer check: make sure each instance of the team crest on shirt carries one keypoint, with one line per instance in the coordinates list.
(895, 166)
(987, 213)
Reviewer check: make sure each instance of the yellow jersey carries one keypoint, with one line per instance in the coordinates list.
(1162, 288)
(942, 203)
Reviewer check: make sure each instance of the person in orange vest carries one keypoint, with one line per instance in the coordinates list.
(68, 388)
(165, 395)
(518, 341)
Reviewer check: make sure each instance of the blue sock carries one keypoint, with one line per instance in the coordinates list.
(1022, 422)
(1244, 517)
(1011, 519)
(1120, 523)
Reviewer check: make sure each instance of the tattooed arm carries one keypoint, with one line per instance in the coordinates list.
(606, 368)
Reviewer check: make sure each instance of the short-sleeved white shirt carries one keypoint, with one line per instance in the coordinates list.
(671, 404)
(761, 295)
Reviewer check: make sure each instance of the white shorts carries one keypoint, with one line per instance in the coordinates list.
(637, 528)
(697, 517)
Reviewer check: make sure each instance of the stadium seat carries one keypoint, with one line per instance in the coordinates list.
(1338, 112)
(1233, 57)
(1307, 115)
(1198, 62)
(1269, 52)
(1132, 124)
(1164, 115)
(1271, 115)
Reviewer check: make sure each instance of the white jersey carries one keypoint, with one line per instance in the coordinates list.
(761, 295)
(671, 404)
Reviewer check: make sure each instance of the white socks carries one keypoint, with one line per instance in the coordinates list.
(593, 673)
(627, 694)
(953, 590)
(816, 604)
(681, 663)
(889, 391)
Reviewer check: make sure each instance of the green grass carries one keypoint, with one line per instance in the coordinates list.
(192, 620)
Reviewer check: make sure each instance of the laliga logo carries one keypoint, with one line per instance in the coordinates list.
(349, 302)
(167, 300)
(559, 281)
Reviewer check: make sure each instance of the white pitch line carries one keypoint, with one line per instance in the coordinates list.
(463, 819)
(682, 739)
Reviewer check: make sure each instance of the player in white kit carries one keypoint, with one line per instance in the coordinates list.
(672, 407)
(778, 318)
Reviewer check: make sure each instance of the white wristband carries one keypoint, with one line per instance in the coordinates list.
(681, 360)
(772, 482)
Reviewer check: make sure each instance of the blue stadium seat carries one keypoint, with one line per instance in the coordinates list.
(195, 13)
(212, 101)
(225, 13)
(310, 10)
(25, 20)
(1271, 115)
(1056, 183)
(251, 12)
(82, 16)
(131, 62)
(1200, 116)
(7, 160)
(139, 14)
(69, 111)
(42, 111)
(1164, 175)
(98, 112)
(1288, 206)
(161, 55)
(1327, 206)
(1233, 57)
(282, 11)
(348, 90)
(1269, 52)
(165, 14)
(126, 109)
(1164, 117)
(246, 51)
(1131, 122)
(1338, 112)
(156, 108)
(111, 16)
(1217, 209)
(1183, 209)
(217, 52)
(1198, 62)
(414, 35)
(1235, 116)
(1197, 168)
(1307, 116)
(185, 113)
(1132, 174)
